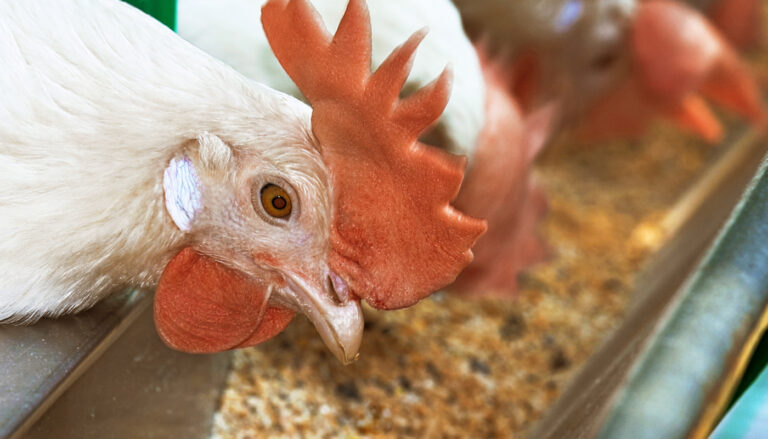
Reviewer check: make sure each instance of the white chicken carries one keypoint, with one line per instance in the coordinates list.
(128, 157)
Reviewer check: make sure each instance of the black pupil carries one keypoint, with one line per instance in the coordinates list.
(279, 202)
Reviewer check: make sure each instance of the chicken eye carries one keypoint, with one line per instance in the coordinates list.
(275, 201)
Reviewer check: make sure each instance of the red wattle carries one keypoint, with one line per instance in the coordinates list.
(202, 306)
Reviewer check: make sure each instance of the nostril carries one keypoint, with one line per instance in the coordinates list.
(339, 288)
(330, 289)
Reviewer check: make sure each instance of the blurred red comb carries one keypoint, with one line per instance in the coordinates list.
(395, 238)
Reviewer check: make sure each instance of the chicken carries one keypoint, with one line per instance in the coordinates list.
(130, 158)
(618, 64)
(481, 120)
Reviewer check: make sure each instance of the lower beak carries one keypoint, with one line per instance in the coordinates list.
(339, 320)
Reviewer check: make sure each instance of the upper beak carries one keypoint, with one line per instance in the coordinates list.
(337, 317)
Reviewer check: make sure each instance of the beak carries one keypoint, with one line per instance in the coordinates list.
(337, 317)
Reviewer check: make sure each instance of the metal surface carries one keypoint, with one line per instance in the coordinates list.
(139, 389)
(681, 380)
(38, 362)
(587, 403)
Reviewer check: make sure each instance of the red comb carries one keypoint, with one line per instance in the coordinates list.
(395, 238)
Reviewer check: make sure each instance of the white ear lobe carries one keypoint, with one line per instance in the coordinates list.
(183, 198)
(214, 153)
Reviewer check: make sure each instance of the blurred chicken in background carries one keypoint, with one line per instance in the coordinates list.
(482, 119)
(618, 64)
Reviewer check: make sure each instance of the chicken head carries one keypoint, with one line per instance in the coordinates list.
(677, 59)
(352, 208)
(259, 223)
